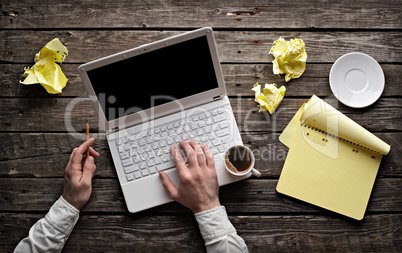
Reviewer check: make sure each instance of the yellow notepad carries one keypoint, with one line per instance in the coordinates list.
(332, 161)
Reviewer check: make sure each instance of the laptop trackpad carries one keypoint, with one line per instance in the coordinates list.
(148, 192)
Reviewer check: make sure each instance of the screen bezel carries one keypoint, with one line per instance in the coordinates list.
(167, 108)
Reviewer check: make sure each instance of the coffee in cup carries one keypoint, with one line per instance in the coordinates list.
(239, 160)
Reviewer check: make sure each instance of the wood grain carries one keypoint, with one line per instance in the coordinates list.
(239, 79)
(232, 14)
(249, 196)
(173, 233)
(233, 47)
(71, 114)
(46, 154)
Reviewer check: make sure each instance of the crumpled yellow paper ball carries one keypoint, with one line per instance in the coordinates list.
(46, 71)
(270, 98)
(290, 58)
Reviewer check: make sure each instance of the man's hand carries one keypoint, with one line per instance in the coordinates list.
(78, 175)
(198, 183)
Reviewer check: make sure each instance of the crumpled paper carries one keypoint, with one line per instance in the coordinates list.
(290, 58)
(270, 98)
(46, 71)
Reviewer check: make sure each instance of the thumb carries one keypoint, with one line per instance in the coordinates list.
(169, 185)
(89, 168)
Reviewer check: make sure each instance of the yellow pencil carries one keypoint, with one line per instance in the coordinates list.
(87, 133)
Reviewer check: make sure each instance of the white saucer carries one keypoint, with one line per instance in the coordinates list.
(357, 80)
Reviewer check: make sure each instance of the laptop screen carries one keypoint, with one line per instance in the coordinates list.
(154, 78)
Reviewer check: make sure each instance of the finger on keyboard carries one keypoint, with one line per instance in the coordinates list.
(178, 159)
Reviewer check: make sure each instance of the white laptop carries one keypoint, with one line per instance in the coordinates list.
(151, 97)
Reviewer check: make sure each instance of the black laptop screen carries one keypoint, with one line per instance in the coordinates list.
(154, 78)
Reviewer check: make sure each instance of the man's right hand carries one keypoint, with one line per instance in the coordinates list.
(198, 187)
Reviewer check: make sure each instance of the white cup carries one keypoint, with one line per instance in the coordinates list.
(243, 154)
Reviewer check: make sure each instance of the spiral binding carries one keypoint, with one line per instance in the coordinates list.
(337, 137)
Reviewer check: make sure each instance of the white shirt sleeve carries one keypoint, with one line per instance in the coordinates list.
(51, 233)
(218, 232)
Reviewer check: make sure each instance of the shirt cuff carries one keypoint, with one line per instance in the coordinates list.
(214, 224)
(62, 216)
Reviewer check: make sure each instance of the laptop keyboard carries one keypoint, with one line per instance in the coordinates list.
(144, 153)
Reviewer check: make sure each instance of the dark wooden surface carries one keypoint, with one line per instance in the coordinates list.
(35, 144)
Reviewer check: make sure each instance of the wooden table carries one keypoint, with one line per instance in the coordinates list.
(35, 143)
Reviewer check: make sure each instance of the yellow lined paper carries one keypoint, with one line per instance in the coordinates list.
(332, 161)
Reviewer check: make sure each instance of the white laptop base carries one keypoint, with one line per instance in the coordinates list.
(139, 177)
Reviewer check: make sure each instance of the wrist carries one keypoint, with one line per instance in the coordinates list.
(206, 207)
(71, 201)
(69, 205)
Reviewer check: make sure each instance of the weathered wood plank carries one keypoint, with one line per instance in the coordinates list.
(249, 120)
(46, 154)
(239, 46)
(186, 13)
(10, 75)
(70, 114)
(174, 233)
(114, 233)
(248, 196)
(239, 79)
(270, 153)
(46, 114)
